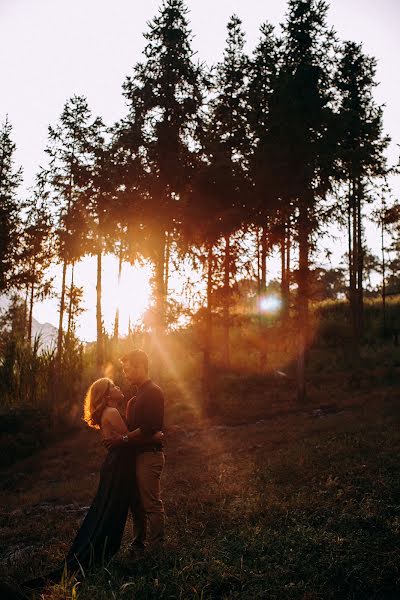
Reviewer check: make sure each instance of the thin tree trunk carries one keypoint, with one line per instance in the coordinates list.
(360, 267)
(302, 303)
(352, 277)
(283, 265)
(258, 245)
(160, 285)
(288, 267)
(264, 253)
(350, 243)
(71, 300)
(226, 306)
(61, 317)
(32, 296)
(159, 292)
(26, 312)
(383, 274)
(208, 336)
(166, 263)
(259, 286)
(355, 270)
(263, 286)
(116, 322)
(99, 316)
(285, 271)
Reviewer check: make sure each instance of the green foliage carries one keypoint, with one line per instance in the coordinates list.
(35, 397)
(10, 179)
(165, 98)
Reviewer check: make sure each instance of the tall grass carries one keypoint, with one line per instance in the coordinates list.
(37, 400)
(30, 382)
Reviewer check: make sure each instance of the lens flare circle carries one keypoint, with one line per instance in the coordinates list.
(270, 304)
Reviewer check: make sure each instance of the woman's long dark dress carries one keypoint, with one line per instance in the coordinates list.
(99, 537)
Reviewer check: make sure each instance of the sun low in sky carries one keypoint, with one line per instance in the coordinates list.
(131, 295)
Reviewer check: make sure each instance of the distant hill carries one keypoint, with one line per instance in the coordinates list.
(46, 332)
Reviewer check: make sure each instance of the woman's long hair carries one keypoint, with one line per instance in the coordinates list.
(96, 401)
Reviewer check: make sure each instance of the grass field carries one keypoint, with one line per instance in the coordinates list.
(301, 503)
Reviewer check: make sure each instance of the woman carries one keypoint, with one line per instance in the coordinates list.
(99, 537)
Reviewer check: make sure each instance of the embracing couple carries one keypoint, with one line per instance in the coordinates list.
(131, 472)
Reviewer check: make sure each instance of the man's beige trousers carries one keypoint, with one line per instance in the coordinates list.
(148, 509)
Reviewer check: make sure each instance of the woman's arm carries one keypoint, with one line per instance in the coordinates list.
(116, 432)
(138, 437)
(113, 423)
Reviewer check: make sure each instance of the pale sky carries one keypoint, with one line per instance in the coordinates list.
(52, 49)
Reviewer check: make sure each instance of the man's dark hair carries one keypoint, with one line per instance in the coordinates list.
(136, 357)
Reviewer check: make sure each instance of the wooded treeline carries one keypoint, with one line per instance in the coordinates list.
(222, 165)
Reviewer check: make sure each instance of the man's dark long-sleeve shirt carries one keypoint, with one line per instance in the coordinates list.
(145, 411)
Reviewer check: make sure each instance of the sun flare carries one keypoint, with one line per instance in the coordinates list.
(270, 304)
(131, 295)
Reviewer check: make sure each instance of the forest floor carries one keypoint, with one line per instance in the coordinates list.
(302, 505)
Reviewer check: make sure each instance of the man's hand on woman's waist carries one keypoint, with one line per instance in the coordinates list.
(135, 437)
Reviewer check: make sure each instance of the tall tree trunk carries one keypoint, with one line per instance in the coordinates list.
(166, 263)
(71, 301)
(226, 306)
(30, 318)
(208, 336)
(263, 287)
(303, 302)
(61, 317)
(356, 259)
(264, 253)
(160, 284)
(99, 316)
(285, 271)
(383, 274)
(351, 224)
(288, 267)
(258, 246)
(116, 322)
(360, 265)
(26, 332)
(283, 265)
(159, 296)
(350, 243)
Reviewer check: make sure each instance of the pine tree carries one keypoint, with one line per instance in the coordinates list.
(99, 196)
(201, 233)
(36, 252)
(227, 150)
(10, 179)
(305, 139)
(361, 158)
(68, 146)
(265, 209)
(262, 81)
(125, 155)
(165, 97)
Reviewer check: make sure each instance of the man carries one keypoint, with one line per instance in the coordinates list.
(144, 416)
